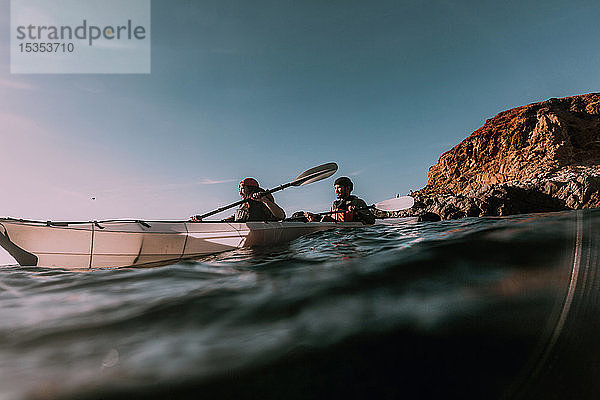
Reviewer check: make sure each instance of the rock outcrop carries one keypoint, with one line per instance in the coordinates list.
(540, 157)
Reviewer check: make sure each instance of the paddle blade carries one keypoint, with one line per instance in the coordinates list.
(395, 204)
(315, 174)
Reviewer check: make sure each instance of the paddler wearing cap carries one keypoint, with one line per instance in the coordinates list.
(260, 205)
(346, 207)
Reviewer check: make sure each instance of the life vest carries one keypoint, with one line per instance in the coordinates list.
(344, 216)
(341, 214)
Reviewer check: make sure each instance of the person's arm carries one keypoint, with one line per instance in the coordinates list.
(268, 201)
(310, 217)
(365, 215)
(328, 217)
(277, 211)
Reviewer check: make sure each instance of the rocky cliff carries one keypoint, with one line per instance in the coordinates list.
(540, 157)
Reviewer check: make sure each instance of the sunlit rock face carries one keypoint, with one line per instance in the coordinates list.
(540, 157)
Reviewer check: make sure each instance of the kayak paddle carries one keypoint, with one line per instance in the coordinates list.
(395, 204)
(309, 176)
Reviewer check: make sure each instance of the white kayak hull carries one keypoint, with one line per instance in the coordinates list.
(114, 244)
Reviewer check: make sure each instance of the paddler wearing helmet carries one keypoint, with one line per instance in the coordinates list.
(260, 205)
(346, 207)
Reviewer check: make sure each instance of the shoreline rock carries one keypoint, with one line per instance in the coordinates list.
(536, 158)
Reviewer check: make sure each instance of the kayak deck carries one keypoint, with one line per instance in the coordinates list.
(128, 243)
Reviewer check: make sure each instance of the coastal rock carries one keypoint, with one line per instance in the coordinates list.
(535, 158)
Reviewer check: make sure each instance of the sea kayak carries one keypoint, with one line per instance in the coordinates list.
(136, 243)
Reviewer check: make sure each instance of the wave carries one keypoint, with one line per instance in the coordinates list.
(461, 309)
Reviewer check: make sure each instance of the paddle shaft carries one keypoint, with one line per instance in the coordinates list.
(331, 212)
(390, 205)
(342, 211)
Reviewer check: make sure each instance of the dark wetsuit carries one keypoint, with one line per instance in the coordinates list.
(253, 210)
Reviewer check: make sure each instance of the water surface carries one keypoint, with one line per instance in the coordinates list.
(473, 308)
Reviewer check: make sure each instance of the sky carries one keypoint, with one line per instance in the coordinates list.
(269, 89)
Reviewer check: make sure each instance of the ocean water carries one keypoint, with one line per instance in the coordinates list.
(469, 309)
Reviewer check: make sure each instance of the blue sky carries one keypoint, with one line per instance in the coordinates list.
(271, 88)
